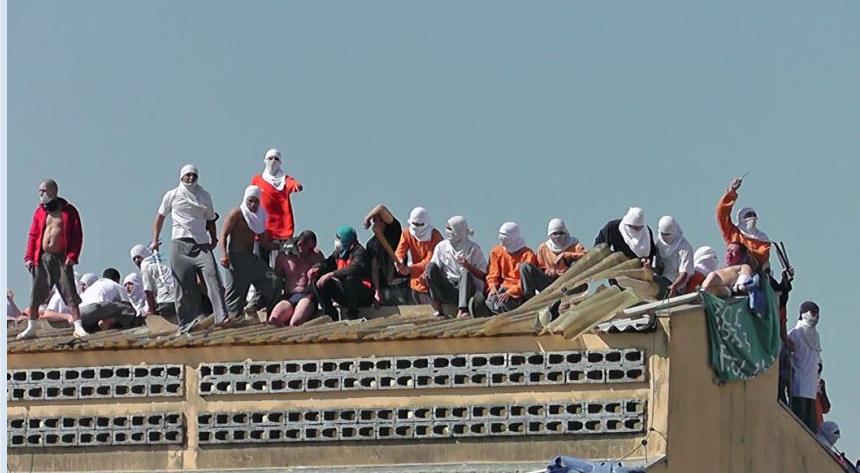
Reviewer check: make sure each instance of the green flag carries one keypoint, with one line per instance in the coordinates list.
(741, 344)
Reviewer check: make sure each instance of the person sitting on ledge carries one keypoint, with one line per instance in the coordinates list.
(735, 276)
(555, 256)
(344, 277)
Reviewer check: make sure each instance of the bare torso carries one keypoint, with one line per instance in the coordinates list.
(53, 238)
(241, 238)
(721, 281)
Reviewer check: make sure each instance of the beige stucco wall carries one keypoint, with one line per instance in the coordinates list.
(736, 427)
(190, 456)
(698, 425)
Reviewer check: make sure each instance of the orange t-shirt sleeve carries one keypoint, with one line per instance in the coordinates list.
(494, 274)
(402, 246)
(724, 216)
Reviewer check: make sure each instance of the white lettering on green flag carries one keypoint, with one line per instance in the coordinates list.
(742, 344)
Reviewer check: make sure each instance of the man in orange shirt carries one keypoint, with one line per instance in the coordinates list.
(555, 256)
(746, 231)
(418, 241)
(276, 187)
(505, 275)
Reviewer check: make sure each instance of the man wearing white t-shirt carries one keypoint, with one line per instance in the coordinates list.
(158, 283)
(193, 241)
(805, 347)
(456, 270)
(107, 302)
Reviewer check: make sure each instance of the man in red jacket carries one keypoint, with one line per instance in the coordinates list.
(53, 248)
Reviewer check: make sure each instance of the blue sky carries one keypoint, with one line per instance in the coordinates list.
(498, 111)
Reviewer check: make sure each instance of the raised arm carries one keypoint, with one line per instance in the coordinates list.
(383, 213)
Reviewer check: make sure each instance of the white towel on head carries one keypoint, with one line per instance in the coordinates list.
(273, 174)
(511, 238)
(558, 245)
(419, 224)
(638, 241)
(256, 220)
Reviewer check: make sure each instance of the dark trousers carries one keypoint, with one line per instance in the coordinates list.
(533, 279)
(804, 409)
(247, 269)
(444, 291)
(121, 312)
(349, 292)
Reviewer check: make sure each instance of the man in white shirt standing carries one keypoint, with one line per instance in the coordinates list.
(805, 347)
(105, 304)
(158, 283)
(193, 240)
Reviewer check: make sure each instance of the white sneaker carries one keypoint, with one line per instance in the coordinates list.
(80, 332)
(29, 332)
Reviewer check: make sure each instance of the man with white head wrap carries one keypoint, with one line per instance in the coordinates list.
(746, 231)
(276, 187)
(676, 254)
(704, 263)
(457, 268)
(136, 295)
(631, 236)
(805, 345)
(193, 240)
(555, 256)
(159, 287)
(505, 276)
(87, 280)
(418, 242)
(242, 227)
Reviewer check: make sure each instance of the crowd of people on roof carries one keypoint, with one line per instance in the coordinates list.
(291, 278)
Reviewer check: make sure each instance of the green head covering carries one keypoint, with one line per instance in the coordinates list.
(347, 237)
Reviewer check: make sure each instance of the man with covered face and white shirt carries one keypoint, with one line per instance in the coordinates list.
(805, 346)
(457, 268)
(159, 287)
(241, 227)
(630, 236)
(746, 231)
(193, 240)
(676, 254)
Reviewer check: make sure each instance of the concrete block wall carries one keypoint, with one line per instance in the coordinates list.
(423, 372)
(415, 423)
(95, 382)
(164, 428)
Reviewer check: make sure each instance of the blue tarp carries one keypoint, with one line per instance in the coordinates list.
(563, 464)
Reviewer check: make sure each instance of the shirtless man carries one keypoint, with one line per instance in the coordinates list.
(731, 279)
(53, 248)
(241, 227)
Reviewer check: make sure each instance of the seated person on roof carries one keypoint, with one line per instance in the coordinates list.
(418, 242)
(506, 281)
(389, 286)
(676, 254)
(734, 277)
(298, 303)
(555, 256)
(457, 270)
(630, 236)
(343, 277)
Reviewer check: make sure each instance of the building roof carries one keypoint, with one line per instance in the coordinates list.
(600, 269)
